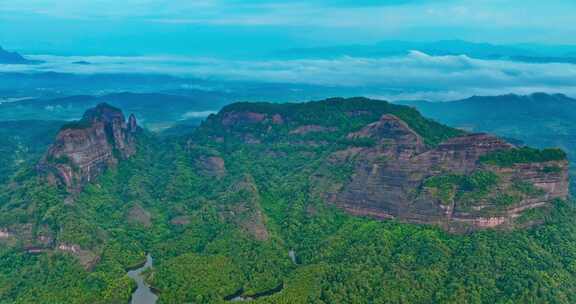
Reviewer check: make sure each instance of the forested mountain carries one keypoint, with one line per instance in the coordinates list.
(334, 201)
(540, 120)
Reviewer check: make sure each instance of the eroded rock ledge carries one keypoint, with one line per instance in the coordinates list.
(449, 185)
(84, 149)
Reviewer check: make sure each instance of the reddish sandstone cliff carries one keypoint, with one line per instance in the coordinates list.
(396, 173)
(84, 149)
(400, 177)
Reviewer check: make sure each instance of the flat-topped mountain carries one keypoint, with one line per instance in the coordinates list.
(84, 149)
(402, 165)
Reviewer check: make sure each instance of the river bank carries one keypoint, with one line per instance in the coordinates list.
(143, 293)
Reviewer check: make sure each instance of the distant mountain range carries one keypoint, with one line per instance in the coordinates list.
(517, 52)
(511, 115)
(7, 57)
(156, 110)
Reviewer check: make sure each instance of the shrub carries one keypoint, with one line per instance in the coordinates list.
(508, 158)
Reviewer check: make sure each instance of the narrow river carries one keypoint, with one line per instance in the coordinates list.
(143, 294)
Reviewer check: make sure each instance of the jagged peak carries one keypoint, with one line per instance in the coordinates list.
(84, 149)
(132, 123)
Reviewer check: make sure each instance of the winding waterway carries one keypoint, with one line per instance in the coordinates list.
(143, 294)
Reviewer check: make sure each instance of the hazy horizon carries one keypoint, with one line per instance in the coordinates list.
(400, 49)
(227, 27)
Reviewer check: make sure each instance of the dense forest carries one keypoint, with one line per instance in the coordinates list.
(217, 232)
(23, 142)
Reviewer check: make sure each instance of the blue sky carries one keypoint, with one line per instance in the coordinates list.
(230, 27)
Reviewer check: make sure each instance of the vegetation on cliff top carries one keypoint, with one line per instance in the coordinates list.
(463, 188)
(342, 114)
(508, 158)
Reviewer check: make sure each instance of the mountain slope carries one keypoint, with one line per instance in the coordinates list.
(540, 120)
(400, 168)
(241, 207)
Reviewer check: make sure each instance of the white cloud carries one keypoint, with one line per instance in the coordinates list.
(414, 75)
(194, 114)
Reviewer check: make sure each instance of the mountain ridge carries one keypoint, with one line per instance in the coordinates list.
(7, 57)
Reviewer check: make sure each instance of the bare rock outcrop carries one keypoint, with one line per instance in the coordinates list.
(212, 166)
(302, 130)
(401, 177)
(88, 259)
(243, 208)
(138, 215)
(84, 149)
(393, 134)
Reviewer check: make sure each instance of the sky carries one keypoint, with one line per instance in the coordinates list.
(242, 27)
(232, 40)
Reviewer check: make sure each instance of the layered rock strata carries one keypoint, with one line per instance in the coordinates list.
(84, 149)
(390, 179)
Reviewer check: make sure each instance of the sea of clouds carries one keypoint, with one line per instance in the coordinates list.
(415, 75)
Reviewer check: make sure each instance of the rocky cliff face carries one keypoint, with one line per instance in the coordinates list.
(84, 149)
(400, 177)
(387, 161)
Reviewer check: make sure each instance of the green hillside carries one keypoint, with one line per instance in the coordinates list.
(215, 231)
